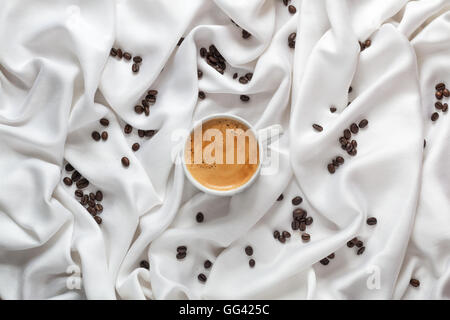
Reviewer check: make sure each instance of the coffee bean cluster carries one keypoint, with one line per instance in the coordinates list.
(117, 52)
(91, 201)
(214, 58)
(128, 129)
(146, 102)
(441, 92)
(326, 261)
(364, 45)
(181, 252)
(249, 252)
(245, 33)
(291, 40)
(355, 242)
(292, 9)
(300, 219)
(104, 135)
(202, 277)
(347, 144)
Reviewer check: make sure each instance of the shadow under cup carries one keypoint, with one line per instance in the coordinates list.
(222, 155)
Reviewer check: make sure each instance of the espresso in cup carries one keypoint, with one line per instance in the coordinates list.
(222, 154)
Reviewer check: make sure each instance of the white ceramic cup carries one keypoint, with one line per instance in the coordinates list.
(260, 141)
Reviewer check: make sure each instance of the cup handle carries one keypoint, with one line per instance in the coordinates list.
(266, 135)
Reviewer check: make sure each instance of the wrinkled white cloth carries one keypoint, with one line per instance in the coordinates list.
(57, 80)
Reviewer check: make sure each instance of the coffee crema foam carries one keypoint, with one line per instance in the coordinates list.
(222, 154)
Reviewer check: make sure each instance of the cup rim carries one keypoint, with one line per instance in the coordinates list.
(230, 192)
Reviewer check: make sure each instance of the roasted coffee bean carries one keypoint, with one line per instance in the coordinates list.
(331, 168)
(325, 261)
(152, 92)
(286, 2)
(297, 200)
(291, 44)
(84, 200)
(248, 250)
(125, 162)
(82, 183)
(135, 68)
(235, 75)
(181, 255)
(201, 95)
(302, 226)
(245, 98)
(207, 264)
(359, 244)
(98, 208)
(135, 147)
(76, 176)
(331, 256)
(246, 34)
(354, 128)
(147, 111)
(99, 196)
(276, 234)
(144, 264)
(150, 133)
(317, 127)
(127, 129)
(104, 135)
(367, 43)
(292, 9)
(104, 122)
(119, 53)
(151, 99)
(91, 196)
(199, 74)
(361, 251)
(202, 277)
(91, 211)
(113, 52)
(446, 93)
(350, 244)
(438, 105)
(67, 181)
(350, 89)
(440, 86)
(212, 59)
(295, 225)
(434, 116)
(139, 109)
(353, 152)
(340, 160)
(280, 197)
(354, 143)
(361, 46)
(306, 237)
(282, 239)
(79, 193)
(181, 249)
(145, 103)
(438, 95)
(243, 80)
(363, 123)
(203, 52)
(424, 143)
(141, 133)
(371, 221)
(286, 234)
(347, 134)
(98, 219)
(414, 282)
(180, 41)
(251, 263)
(333, 109)
(91, 203)
(445, 107)
(219, 69)
(69, 167)
(343, 141)
(249, 76)
(299, 213)
(309, 221)
(95, 135)
(292, 37)
(137, 59)
(199, 217)
(127, 56)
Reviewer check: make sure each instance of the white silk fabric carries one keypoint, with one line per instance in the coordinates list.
(57, 80)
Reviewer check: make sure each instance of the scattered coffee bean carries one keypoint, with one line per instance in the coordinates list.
(127, 129)
(306, 237)
(181, 249)
(280, 197)
(67, 181)
(297, 200)
(361, 251)
(286, 234)
(439, 95)
(372, 221)
(202, 277)
(347, 134)
(309, 221)
(79, 193)
(331, 168)
(135, 68)
(235, 75)
(286, 2)
(82, 183)
(251, 263)
(325, 261)
(180, 41)
(249, 76)
(434, 116)
(414, 282)
(98, 208)
(207, 264)
(127, 56)
(69, 167)
(91, 196)
(245, 98)
(299, 213)
(440, 86)
(350, 244)
(282, 239)
(246, 34)
(135, 147)
(98, 219)
(291, 40)
(203, 52)
(295, 225)
(141, 133)
(331, 256)
(199, 74)
(181, 255)
(95, 135)
(199, 217)
(333, 109)
(317, 127)
(137, 59)
(302, 226)
(354, 128)
(139, 109)
(276, 234)
(104, 122)
(91, 211)
(292, 9)
(76, 176)
(113, 52)
(99, 196)
(359, 244)
(119, 53)
(243, 80)
(125, 162)
(363, 123)
(249, 250)
(367, 43)
(144, 264)
(445, 107)
(104, 135)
